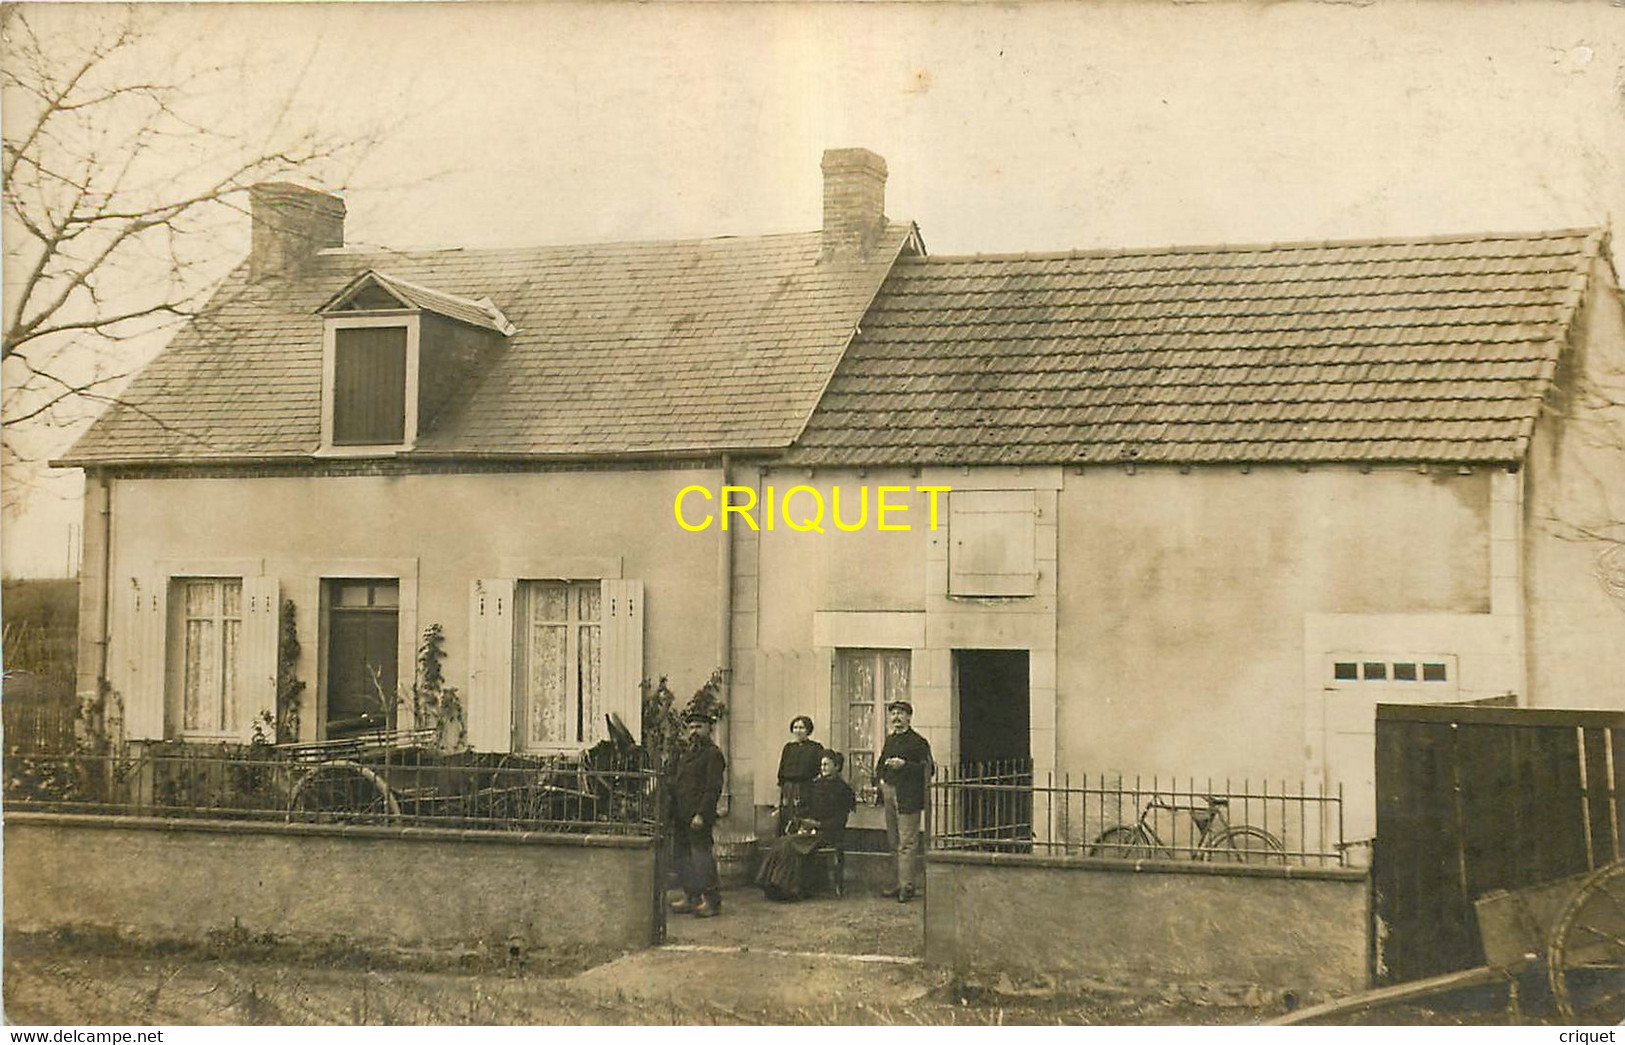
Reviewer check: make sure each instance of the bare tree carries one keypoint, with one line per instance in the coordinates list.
(124, 158)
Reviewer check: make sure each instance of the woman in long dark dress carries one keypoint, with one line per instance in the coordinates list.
(798, 767)
(828, 802)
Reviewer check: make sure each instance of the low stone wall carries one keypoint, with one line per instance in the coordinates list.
(181, 879)
(1281, 928)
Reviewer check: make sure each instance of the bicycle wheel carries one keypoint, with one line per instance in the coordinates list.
(1122, 843)
(1585, 957)
(1243, 845)
(342, 792)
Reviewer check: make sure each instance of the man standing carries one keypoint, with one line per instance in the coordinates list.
(904, 766)
(696, 785)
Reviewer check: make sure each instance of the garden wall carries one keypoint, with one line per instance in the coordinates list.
(1280, 928)
(181, 879)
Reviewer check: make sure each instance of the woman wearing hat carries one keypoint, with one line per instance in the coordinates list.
(901, 771)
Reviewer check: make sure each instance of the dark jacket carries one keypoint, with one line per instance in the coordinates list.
(909, 779)
(696, 782)
(830, 801)
(799, 761)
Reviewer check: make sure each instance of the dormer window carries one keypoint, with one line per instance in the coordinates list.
(393, 357)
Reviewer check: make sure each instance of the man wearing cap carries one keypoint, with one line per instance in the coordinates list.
(696, 785)
(901, 772)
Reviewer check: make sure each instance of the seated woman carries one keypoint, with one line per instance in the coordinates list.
(798, 766)
(827, 803)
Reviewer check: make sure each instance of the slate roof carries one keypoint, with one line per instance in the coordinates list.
(659, 348)
(1416, 350)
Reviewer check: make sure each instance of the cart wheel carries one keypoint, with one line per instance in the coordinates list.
(1586, 954)
(342, 792)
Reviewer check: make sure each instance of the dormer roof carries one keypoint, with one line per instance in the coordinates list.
(373, 290)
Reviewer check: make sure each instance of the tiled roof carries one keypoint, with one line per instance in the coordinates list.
(1425, 350)
(632, 348)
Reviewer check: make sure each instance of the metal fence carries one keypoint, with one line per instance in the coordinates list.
(506, 793)
(1001, 807)
(37, 727)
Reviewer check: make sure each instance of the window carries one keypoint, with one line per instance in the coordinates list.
(1407, 670)
(559, 664)
(865, 681)
(363, 647)
(211, 635)
(992, 543)
(369, 386)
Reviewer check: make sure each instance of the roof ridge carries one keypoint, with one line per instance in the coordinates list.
(1590, 232)
(380, 249)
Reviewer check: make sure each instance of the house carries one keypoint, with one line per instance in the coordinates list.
(1186, 510)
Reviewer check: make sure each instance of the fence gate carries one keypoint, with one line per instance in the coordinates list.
(1472, 799)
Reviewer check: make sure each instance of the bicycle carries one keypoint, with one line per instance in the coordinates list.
(1219, 840)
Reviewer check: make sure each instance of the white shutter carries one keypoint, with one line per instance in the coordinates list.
(623, 652)
(144, 695)
(992, 543)
(262, 613)
(488, 701)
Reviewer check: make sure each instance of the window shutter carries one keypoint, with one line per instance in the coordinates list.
(488, 702)
(257, 667)
(144, 679)
(992, 543)
(623, 653)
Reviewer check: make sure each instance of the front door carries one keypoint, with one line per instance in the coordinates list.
(995, 746)
(363, 642)
(1357, 685)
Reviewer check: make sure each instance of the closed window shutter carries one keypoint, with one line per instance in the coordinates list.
(369, 386)
(992, 543)
(488, 706)
(261, 624)
(623, 653)
(145, 651)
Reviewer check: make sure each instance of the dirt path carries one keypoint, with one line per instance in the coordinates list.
(825, 961)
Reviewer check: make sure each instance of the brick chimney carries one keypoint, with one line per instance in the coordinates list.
(854, 202)
(290, 224)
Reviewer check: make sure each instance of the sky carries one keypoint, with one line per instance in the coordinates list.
(1006, 127)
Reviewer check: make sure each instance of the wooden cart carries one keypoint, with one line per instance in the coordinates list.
(1575, 925)
(1578, 925)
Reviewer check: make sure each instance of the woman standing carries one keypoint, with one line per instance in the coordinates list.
(798, 766)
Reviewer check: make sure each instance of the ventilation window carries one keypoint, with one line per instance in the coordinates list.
(1375, 671)
(1434, 673)
(1404, 671)
(1346, 671)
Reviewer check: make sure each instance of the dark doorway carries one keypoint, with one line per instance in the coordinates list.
(363, 621)
(995, 747)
